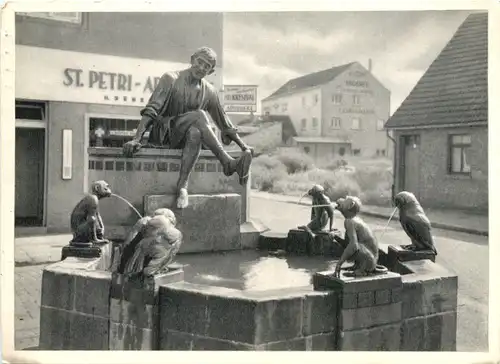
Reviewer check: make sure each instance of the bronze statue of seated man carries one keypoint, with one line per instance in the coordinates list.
(180, 114)
(86, 221)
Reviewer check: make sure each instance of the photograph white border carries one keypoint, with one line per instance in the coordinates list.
(7, 149)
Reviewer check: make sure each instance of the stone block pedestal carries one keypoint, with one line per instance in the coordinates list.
(396, 253)
(300, 242)
(369, 310)
(209, 223)
(134, 311)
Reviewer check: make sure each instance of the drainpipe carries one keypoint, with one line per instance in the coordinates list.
(393, 164)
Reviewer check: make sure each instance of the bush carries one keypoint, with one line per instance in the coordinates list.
(265, 172)
(294, 159)
(293, 173)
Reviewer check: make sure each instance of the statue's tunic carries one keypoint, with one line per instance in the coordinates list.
(175, 95)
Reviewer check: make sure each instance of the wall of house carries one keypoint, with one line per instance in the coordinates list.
(438, 188)
(161, 36)
(374, 105)
(293, 106)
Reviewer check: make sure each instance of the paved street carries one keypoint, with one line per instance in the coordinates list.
(464, 254)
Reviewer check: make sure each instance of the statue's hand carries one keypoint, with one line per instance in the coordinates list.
(131, 147)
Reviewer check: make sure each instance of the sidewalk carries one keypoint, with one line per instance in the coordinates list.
(455, 220)
(37, 250)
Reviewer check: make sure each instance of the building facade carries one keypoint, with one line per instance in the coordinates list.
(441, 129)
(81, 81)
(336, 112)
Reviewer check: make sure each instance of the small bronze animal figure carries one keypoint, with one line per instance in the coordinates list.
(86, 221)
(159, 243)
(320, 215)
(414, 222)
(360, 244)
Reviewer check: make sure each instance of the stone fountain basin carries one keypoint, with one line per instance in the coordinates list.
(247, 300)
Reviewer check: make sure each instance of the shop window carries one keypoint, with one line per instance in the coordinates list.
(342, 151)
(307, 150)
(111, 132)
(459, 149)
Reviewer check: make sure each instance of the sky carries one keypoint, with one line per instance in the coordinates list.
(268, 49)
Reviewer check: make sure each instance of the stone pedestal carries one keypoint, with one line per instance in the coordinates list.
(209, 223)
(369, 310)
(397, 253)
(134, 310)
(271, 240)
(300, 242)
(81, 251)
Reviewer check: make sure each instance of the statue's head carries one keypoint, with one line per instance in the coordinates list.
(349, 206)
(404, 198)
(168, 214)
(203, 62)
(316, 190)
(101, 189)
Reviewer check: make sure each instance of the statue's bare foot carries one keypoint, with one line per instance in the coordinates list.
(182, 199)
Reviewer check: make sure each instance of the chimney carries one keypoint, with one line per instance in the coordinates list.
(370, 65)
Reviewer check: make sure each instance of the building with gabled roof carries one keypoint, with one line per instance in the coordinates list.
(335, 112)
(441, 129)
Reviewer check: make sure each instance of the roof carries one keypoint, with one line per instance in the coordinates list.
(310, 80)
(321, 140)
(454, 89)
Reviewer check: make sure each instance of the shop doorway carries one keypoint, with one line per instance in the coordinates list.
(30, 165)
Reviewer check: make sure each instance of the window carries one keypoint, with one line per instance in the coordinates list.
(29, 110)
(356, 99)
(335, 123)
(314, 123)
(111, 132)
(315, 99)
(380, 124)
(69, 17)
(342, 151)
(307, 150)
(356, 124)
(459, 154)
(382, 152)
(284, 107)
(337, 99)
(356, 151)
(304, 124)
(303, 101)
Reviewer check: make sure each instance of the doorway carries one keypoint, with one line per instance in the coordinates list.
(29, 174)
(410, 164)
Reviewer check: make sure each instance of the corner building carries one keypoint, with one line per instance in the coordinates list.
(81, 81)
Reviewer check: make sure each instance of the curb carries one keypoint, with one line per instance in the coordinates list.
(385, 216)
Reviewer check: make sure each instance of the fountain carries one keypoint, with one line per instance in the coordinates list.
(121, 290)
